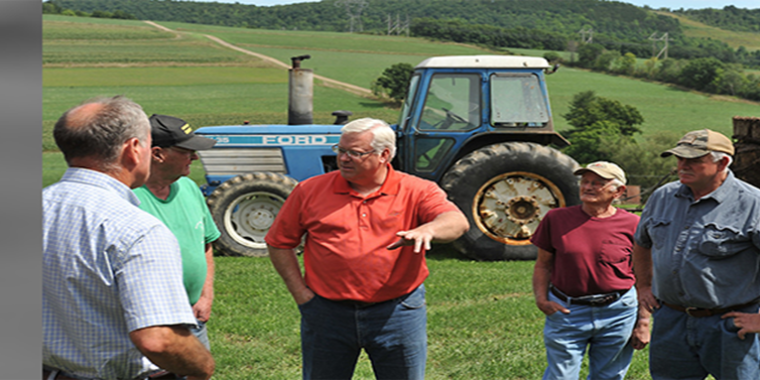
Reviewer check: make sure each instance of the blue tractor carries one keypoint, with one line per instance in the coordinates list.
(479, 126)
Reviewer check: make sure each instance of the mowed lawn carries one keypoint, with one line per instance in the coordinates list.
(483, 323)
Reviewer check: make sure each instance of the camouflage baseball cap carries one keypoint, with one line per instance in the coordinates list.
(699, 143)
(604, 169)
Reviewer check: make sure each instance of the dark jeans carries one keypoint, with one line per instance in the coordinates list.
(393, 333)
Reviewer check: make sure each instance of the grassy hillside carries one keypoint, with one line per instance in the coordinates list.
(183, 73)
(692, 28)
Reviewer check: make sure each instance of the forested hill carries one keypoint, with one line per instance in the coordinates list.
(537, 24)
(729, 18)
(607, 18)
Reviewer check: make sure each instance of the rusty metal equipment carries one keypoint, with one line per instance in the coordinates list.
(746, 164)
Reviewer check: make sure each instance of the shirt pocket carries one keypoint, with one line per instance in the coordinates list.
(721, 241)
(658, 231)
(615, 252)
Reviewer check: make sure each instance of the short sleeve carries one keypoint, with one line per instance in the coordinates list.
(149, 278)
(542, 236)
(287, 230)
(433, 202)
(641, 236)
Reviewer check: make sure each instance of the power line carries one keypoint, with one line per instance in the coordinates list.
(584, 32)
(664, 48)
(354, 10)
(398, 26)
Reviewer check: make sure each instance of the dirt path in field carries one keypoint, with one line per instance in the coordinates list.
(361, 91)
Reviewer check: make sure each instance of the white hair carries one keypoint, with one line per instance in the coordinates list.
(383, 136)
(717, 156)
(616, 183)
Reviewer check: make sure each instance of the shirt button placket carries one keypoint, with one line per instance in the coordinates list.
(363, 212)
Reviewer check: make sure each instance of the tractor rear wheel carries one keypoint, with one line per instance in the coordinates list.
(505, 190)
(244, 208)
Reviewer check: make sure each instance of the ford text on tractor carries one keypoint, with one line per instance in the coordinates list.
(479, 126)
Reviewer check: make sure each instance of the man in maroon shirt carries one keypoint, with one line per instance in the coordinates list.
(583, 281)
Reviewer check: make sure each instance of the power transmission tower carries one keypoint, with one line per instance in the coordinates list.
(354, 10)
(398, 26)
(584, 32)
(664, 50)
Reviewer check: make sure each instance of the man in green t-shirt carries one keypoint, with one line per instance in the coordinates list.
(178, 202)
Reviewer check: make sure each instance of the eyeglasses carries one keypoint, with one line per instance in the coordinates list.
(596, 184)
(351, 153)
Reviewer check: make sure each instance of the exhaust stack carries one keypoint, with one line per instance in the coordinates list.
(300, 93)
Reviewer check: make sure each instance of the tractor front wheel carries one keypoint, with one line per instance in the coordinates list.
(244, 208)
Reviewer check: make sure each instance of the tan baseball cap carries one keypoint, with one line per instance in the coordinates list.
(699, 143)
(604, 169)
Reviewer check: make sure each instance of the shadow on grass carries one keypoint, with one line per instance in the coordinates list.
(441, 252)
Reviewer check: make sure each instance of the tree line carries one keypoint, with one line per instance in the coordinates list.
(618, 20)
(706, 74)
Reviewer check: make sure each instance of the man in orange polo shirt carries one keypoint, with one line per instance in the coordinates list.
(367, 228)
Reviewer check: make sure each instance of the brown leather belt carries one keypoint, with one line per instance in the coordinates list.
(592, 300)
(700, 313)
(160, 375)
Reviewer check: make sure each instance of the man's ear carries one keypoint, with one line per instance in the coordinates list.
(385, 155)
(130, 153)
(722, 164)
(157, 154)
(620, 192)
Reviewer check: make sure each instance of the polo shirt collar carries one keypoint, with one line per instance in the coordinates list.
(390, 186)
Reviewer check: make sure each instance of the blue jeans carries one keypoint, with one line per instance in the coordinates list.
(684, 347)
(393, 333)
(605, 330)
(201, 333)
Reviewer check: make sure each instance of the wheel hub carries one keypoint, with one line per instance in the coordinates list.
(259, 219)
(249, 217)
(522, 210)
(511, 206)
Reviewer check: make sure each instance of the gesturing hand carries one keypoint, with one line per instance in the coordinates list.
(417, 237)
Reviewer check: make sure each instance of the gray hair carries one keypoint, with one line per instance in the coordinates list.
(383, 136)
(717, 156)
(616, 183)
(100, 134)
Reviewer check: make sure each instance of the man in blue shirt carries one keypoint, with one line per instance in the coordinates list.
(697, 264)
(113, 303)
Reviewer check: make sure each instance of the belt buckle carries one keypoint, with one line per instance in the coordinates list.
(689, 309)
(602, 301)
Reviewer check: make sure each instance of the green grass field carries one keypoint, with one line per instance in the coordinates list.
(483, 323)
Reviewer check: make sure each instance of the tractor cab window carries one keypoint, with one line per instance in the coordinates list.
(452, 103)
(408, 102)
(517, 101)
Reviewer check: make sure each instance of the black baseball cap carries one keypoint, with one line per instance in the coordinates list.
(172, 131)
